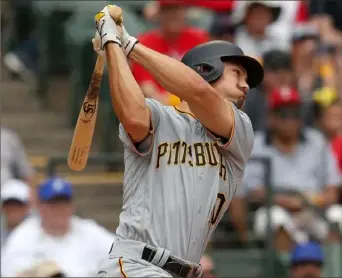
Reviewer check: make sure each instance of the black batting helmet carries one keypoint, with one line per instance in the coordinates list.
(206, 60)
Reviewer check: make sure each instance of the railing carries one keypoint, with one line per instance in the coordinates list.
(98, 159)
(270, 254)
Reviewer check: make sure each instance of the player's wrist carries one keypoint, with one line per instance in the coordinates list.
(128, 42)
(112, 38)
(128, 45)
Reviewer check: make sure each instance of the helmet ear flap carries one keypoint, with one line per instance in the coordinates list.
(210, 71)
(204, 68)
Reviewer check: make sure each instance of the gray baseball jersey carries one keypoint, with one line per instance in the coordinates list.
(179, 181)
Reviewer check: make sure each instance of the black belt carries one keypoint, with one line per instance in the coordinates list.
(173, 264)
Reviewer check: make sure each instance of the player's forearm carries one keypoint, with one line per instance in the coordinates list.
(128, 100)
(174, 76)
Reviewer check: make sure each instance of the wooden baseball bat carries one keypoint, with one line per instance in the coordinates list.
(85, 125)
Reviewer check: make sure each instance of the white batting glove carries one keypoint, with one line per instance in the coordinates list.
(128, 42)
(97, 45)
(106, 27)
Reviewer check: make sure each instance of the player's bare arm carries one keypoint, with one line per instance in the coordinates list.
(127, 98)
(189, 86)
(190, 81)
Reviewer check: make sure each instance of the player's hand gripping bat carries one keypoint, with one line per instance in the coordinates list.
(85, 126)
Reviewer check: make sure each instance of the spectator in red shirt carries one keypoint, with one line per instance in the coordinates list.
(328, 114)
(172, 38)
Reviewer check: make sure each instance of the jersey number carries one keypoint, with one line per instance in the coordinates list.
(220, 200)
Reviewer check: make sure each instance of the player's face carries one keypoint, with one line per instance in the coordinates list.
(233, 84)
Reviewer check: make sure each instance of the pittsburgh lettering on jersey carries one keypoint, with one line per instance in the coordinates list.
(195, 155)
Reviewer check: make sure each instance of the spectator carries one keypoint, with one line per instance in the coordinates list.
(173, 38)
(305, 45)
(15, 206)
(292, 13)
(208, 267)
(220, 7)
(328, 115)
(14, 163)
(223, 28)
(301, 162)
(45, 269)
(307, 260)
(327, 17)
(76, 245)
(277, 73)
(254, 17)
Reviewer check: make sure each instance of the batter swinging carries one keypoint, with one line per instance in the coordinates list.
(182, 164)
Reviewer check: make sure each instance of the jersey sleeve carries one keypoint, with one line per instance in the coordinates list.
(239, 146)
(144, 147)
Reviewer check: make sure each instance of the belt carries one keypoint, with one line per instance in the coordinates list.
(170, 263)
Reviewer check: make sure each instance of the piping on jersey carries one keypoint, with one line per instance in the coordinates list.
(210, 133)
(122, 268)
(184, 112)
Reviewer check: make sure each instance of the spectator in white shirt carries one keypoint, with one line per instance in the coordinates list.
(254, 18)
(14, 162)
(15, 205)
(76, 245)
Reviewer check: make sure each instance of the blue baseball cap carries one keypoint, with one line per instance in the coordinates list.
(307, 252)
(54, 187)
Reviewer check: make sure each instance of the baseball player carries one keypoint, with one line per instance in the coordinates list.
(182, 164)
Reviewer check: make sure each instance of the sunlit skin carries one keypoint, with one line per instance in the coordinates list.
(232, 85)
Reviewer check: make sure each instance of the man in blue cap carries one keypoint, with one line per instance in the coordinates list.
(57, 235)
(307, 261)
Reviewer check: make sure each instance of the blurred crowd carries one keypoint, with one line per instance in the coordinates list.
(296, 114)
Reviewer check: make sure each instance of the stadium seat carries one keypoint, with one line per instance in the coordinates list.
(333, 255)
(201, 18)
(238, 263)
(50, 19)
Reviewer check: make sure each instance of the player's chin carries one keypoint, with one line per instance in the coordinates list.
(239, 102)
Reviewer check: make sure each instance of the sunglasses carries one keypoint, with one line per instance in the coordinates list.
(288, 113)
